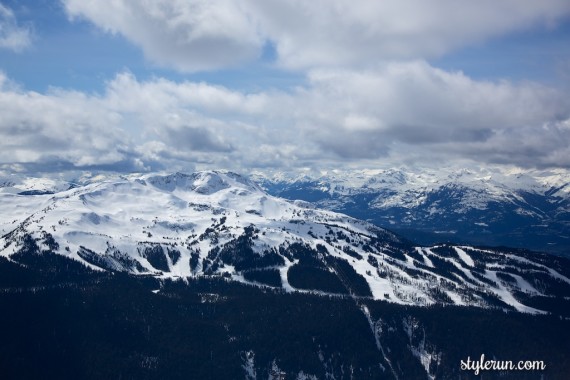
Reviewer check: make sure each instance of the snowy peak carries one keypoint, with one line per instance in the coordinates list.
(32, 186)
(205, 182)
(495, 180)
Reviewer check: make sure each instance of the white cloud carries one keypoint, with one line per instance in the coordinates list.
(192, 35)
(12, 35)
(356, 33)
(399, 112)
(408, 98)
(123, 128)
(188, 35)
(60, 126)
(424, 114)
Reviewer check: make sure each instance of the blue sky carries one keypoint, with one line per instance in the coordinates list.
(131, 85)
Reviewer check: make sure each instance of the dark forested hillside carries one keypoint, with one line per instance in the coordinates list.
(76, 323)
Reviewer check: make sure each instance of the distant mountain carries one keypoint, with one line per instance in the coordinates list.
(206, 275)
(484, 207)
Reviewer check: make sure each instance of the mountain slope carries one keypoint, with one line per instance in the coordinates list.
(222, 224)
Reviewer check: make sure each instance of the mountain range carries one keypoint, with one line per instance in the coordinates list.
(492, 207)
(195, 242)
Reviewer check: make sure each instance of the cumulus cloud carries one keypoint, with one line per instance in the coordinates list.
(63, 127)
(400, 112)
(133, 126)
(188, 35)
(13, 36)
(348, 32)
(414, 112)
(192, 35)
(417, 104)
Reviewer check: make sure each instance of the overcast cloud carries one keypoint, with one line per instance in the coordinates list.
(369, 92)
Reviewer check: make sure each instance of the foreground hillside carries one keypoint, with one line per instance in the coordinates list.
(62, 320)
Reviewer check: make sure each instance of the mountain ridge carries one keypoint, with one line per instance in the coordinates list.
(216, 223)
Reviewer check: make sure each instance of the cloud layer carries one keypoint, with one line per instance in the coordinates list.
(369, 95)
(400, 112)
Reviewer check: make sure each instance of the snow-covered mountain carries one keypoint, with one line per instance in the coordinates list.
(32, 186)
(527, 209)
(222, 224)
